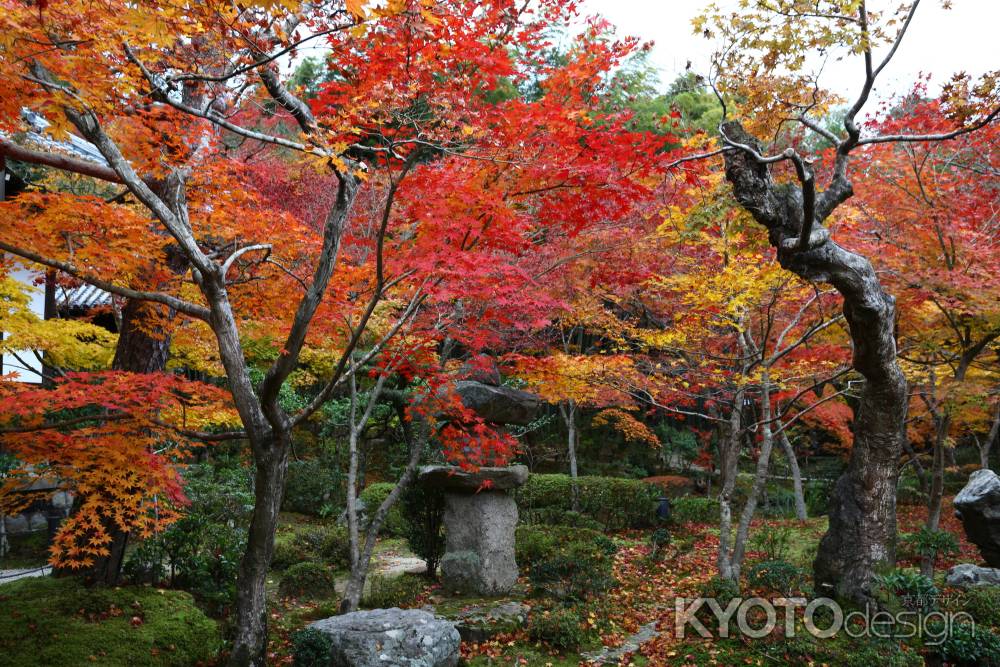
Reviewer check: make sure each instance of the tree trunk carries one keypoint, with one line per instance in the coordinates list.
(360, 566)
(569, 413)
(729, 455)
(862, 530)
(140, 349)
(250, 642)
(801, 512)
(984, 449)
(760, 478)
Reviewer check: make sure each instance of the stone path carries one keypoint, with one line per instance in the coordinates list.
(7, 576)
(394, 565)
(611, 656)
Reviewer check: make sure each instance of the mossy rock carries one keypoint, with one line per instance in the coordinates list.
(60, 623)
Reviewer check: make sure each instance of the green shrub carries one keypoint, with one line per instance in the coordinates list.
(314, 486)
(311, 648)
(373, 496)
(72, 626)
(423, 511)
(201, 551)
(25, 550)
(565, 562)
(777, 576)
(956, 477)
(328, 545)
(335, 548)
(908, 492)
(556, 516)
(384, 592)
(910, 590)
(929, 543)
(561, 629)
(310, 581)
(817, 496)
(841, 651)
(694, 509)
(983, 604)
(723, 591)
(659, 540)
(772, 541)
(614, 502)
(967, 646)
(779, 503)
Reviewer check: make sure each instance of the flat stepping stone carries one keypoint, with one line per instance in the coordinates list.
(481, 622)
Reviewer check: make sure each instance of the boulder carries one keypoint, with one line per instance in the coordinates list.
(390, 637)
(454, 479)
(499, 405)
(978, 506)
(965, 575)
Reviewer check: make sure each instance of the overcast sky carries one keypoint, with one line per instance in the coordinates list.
(940, 42)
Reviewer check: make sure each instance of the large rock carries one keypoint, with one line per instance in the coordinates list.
(499, 405)
(390, 638)
(965, 575)
(479, 543)
(454, 479)
(978, 506)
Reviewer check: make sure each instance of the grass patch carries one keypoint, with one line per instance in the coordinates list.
(59, 623)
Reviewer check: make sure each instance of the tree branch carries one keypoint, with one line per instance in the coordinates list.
(181, 306)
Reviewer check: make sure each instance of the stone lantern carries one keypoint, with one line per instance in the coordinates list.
(479, 519)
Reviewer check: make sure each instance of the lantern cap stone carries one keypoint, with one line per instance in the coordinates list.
(455, 479)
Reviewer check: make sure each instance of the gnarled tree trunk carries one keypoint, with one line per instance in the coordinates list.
(862, 530)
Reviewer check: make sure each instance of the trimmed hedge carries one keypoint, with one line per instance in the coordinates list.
(616, 503)
(322, 545)
(60, 623)
(373, 495)
(561, 629)
(314, 487)
(310, 581)
(694, 509)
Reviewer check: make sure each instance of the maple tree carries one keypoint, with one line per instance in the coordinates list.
(750, 344)
(429, 197)
(765, 72)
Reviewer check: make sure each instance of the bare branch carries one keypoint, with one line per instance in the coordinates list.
(242, 251)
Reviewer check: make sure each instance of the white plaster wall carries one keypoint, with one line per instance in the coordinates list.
(30, 371)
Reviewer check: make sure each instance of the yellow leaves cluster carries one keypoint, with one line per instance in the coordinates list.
(68, 344)
(630, 427)
(584, 379)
